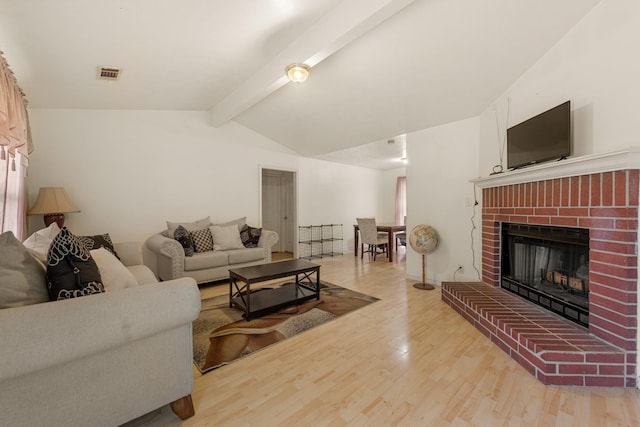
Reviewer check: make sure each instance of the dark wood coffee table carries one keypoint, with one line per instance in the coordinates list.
(256, 304)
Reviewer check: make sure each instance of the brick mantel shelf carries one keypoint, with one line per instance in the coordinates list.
(600, 193)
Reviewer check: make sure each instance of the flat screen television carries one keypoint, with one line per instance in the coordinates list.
(544, 137)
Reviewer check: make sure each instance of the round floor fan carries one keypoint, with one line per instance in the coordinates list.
(423, 239)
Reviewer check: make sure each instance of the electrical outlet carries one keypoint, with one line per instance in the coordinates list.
(460, 268)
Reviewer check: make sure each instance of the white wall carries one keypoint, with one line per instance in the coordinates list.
(594, 66)
(597, 67)
(334, 193)
(389, 181)
(130, 171)
(442, 160)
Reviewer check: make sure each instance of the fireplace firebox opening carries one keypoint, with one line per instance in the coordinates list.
(548, 266)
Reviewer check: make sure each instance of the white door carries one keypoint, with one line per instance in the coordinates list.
(278, 207)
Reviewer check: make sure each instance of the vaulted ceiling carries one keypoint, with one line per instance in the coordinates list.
(380, 68)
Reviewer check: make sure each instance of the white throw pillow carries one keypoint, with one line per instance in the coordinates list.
(38, 243)
(190, 226)
(240, 222)
(226, 237)
(22, 278)
(115, 275)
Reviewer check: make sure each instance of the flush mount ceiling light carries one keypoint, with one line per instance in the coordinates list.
(297, 72)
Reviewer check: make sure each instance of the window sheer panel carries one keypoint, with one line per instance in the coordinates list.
(4, 169)
(401, 199)
(15, 146)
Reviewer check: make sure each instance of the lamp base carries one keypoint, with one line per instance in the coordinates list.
(58, 218)
(424, 286)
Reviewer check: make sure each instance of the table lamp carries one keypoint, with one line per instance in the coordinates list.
(53, 203)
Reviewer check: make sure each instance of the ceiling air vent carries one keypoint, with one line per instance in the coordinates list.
(107, 73)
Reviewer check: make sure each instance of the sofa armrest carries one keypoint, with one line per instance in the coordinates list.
(130, 253)
(143, 274)
(169, 254)
(44, 335)
(268, 238)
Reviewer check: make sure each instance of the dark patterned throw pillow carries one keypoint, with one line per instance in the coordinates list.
(250, 236)
(182, 235)
(71, 272)
(99, 241)
(202, 240)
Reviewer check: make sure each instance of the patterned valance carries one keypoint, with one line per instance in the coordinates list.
(14, 120)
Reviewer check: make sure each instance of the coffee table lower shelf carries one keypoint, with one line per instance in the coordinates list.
(269, 300)
(259, 302)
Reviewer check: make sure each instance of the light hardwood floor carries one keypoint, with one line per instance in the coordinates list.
(405, 360)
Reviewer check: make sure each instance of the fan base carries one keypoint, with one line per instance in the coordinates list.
(424, 286)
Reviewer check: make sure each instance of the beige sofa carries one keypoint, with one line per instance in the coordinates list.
(100, 360)
(206, 266)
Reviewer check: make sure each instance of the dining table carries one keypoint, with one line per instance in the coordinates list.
(388, 227)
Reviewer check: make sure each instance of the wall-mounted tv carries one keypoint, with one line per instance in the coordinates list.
(544, 137)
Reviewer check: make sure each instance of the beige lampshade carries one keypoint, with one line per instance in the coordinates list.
(52, 200)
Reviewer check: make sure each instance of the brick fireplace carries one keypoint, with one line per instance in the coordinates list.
(599, 193)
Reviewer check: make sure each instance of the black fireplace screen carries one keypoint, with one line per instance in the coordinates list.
(549, 266)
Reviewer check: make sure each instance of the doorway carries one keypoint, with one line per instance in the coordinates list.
(279, 207)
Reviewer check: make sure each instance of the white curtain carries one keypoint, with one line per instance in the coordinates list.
(401, 199)
(15, 146)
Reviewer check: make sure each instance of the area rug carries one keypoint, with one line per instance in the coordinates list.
(221, 335)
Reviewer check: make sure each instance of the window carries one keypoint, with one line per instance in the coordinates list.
(15, 146)
(401, 199)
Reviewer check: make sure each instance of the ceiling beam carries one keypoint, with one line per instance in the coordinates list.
(343, 24)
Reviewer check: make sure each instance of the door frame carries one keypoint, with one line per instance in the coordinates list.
(294, 202)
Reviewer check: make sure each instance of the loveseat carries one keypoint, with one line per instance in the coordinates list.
(98, 360)
(211, 265)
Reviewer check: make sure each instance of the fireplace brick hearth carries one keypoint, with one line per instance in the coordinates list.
(554, 350)
(605, 203)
